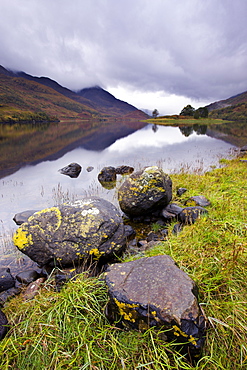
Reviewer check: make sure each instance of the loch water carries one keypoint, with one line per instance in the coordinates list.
(29, 176)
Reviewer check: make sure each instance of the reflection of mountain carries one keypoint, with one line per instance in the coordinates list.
(26, 144)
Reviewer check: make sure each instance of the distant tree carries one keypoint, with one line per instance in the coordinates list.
(203, 112)
(187, 111)
(155, 113)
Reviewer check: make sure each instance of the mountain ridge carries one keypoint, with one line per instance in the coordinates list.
(64, 103)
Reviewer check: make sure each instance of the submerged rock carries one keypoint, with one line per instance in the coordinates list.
(90, 228)
(153, 291)
(72, 170)
(145, 191)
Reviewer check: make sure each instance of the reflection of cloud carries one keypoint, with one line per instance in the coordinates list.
(146, 138)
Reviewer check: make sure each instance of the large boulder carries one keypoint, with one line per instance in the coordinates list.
(90, 228)
(145, 191)
(154, 292)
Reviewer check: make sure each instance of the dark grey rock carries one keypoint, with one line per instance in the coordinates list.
(21, 217)
(27, 277)
(129, 232)
(154, 292)
(107, 174)
(90, 228)
(177, 228)
(73, 170)
(171, 211)
(189, 215)
(3, 325)
(7, 294)
(144, 192)
(90, 168)
(198, 200)
(181, 191)
(124, 170)
(7, 281)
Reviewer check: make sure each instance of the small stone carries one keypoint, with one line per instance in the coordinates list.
(90, 168)
(198, 200)
(189, 215)
(181, 191)
(177, 228)
(73, 170)
(33, 289)
(7, 281)
(3, 325)
(124, 170)
(27, 277)
(22, 217)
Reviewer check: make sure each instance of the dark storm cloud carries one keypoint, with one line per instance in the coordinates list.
(193, 48)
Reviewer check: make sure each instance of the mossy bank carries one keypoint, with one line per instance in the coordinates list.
(68, 330)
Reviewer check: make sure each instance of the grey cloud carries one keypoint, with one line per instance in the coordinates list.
(189, 47)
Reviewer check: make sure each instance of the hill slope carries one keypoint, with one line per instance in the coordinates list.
(23, 96)
(234, 108)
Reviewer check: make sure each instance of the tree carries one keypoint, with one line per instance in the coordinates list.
(187, 111)
(155, 113)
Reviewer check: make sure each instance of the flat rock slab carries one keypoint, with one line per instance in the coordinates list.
(153, 291)
(90, 228)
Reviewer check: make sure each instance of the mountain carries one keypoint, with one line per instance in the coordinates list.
(232, 109)
(24, 97)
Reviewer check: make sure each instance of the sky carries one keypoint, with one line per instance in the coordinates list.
(159, 54)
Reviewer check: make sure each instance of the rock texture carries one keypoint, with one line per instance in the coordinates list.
(198, 200)
(189, 215)
(153, 291)
(90, 228)
(145, 191)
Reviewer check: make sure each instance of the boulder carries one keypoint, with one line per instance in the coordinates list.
(3, 325)
(107, 174)
(90, 228)
(7, 281)
(27, 277)
(189, 215)
(21, 217)
(145, 191)
(72, 170)
(154, 292)
(198, 200)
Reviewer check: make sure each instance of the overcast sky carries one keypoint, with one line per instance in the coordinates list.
(160, 54)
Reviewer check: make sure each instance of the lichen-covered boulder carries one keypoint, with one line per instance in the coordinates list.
(88, 228)
(145, 191)
(153, 291)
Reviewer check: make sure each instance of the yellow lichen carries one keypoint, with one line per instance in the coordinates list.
(56, 211)
(22, 239)
(96, 253)
(124, 310)
(178, 331)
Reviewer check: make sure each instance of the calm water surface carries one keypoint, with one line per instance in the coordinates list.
(41, 185)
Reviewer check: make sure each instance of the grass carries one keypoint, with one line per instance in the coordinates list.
(68, 329)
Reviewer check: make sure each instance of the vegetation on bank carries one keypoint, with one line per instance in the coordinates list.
(68, 329)
(177, 120)
(11, 115)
